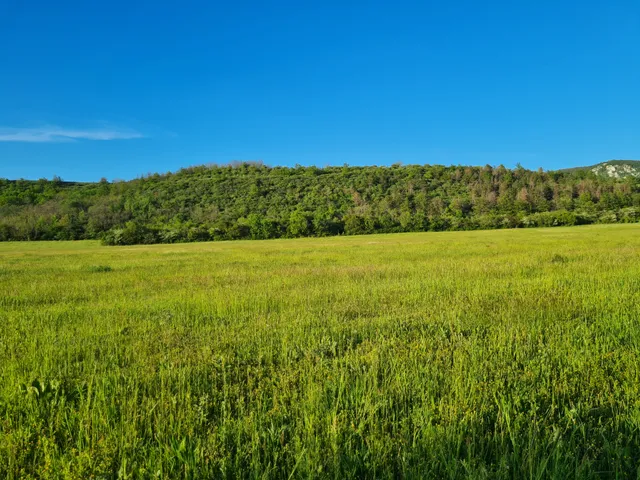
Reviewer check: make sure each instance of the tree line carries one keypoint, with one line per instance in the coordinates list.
(254, 201)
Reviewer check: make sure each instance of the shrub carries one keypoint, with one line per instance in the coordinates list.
(550, 219)
(629, 215)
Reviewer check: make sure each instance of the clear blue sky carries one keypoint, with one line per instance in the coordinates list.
(118, 89)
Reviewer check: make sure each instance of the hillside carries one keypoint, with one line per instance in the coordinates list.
(256, 201)
(612, 168)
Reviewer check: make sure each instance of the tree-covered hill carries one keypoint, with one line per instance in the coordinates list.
(613, 168)
(256, 201)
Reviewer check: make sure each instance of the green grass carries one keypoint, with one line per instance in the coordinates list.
(493, 354)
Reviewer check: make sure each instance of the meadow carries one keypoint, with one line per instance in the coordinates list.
(500, 354)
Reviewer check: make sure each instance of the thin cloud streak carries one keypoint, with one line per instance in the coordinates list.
(58, 134)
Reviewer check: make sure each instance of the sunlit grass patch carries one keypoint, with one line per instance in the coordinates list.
(488, 354)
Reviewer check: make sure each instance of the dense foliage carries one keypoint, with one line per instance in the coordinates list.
(255, 201)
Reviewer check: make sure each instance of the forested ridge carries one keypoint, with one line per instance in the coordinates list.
(253, 201)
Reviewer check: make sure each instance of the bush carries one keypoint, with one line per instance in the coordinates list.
(629, 215)
(607, 217)
(132, 234)
(354, 225)
(6, 232)
(488, 222)
(112, 237)
(550, 219)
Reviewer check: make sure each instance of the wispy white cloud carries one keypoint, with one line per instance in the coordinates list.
(58, 134)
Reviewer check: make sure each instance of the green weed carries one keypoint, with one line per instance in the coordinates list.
(98, 268)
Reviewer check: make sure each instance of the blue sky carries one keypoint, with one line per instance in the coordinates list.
(118, 89)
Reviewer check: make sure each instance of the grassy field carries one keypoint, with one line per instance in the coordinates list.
(491, 354)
